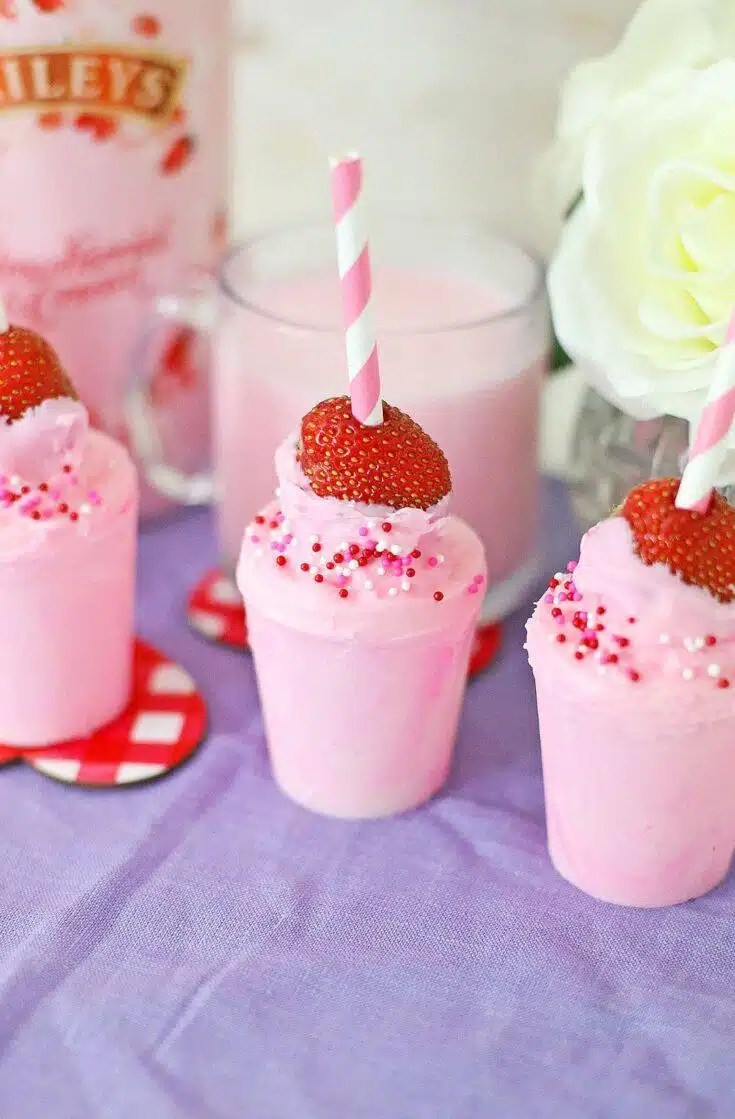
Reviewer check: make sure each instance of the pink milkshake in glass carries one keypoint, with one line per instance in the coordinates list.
(361, 614)
(461, 317)
(68, 516)
(633, 652)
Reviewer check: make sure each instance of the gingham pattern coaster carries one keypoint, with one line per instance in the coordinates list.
(160, 729)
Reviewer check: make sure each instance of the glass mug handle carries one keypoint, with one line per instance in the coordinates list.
(146, 442)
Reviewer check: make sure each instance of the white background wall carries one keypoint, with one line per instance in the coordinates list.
(449, 100)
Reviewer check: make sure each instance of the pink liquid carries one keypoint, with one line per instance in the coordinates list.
(474, 389)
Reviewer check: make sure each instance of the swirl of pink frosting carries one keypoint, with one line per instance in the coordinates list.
(634, 622)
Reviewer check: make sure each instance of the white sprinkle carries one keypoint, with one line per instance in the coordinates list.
(396, 549)
(14, 480)
(380, 547)
(85, 508)
(664, 638)
(293, 543)
(344, 546)
(286, 526)
(393, 591)
(688, 673)
(313, 539)
(713, 670)
(313, 570)
(440, 558)
(371, 524)
(354, 565)
(368, 585)
(406, 585)
(346, 572)
(278, 491)
(690, 644)
(699, 643)
(381, 571)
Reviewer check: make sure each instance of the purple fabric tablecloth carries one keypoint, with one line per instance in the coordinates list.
(202, 948)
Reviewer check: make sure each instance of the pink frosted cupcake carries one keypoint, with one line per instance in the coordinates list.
(633, 651)
(68, 511)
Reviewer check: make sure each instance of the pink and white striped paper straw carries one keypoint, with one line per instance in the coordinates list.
(709, 445)
(353, 259)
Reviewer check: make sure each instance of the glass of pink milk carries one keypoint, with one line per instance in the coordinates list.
(463, 337)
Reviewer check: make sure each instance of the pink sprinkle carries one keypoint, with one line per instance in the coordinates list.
(363, 531)
(576, 597)
(474, 588)
(94, 497)
(275, 546)
(280, 518)
(254, 539)
(571, 566)
(55, 494)
(433, 561)
(549, 599)
(341, 581)
(287, 538)
(560, 621)
(47, 514)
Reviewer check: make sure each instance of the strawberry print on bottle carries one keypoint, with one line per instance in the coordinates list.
(114, 174)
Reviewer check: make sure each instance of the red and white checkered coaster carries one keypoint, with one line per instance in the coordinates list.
(164, 723)
(215, 610)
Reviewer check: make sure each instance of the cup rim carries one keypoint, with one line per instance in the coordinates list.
(463, 229)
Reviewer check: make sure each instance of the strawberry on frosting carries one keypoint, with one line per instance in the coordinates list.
(698, 547)
(394, 464)
(42, 420)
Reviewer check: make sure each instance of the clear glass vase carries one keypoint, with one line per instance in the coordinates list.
(612, 452)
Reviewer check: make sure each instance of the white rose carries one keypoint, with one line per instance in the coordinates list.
(643, 280)
(664, 36)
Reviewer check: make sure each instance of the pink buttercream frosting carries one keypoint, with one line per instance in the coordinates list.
(59, 479)
(390, 595)
(615, 622)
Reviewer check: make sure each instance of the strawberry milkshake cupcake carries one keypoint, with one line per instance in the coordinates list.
(68, 510)
(362, 597)
(633, 652)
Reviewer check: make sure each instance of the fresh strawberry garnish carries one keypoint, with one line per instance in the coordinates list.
(699, 547)
(394, 463)
(30, 372)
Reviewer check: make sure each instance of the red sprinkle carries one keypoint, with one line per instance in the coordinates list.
(387, 526)
(416, 553)
(318, 578)
(633, 675)
(73, 516)
(259, 520)
(66, 469)
(281, 561)
(710, 640)
(556, 612)
(631, 621)
(330, 565)
(579, 656)
(25, 489)
(343, 593)
(553, 584)
(338, 557)
(354, 549)
(36, 515)
(590, 642)
(273, 524)
(43, 487)
(601, 610)
(623, 642)
(723, 683)
(561, 638)
(610, 658)
(410, 572)
(64, 508)
(304, 567)
(316, 547)
(438, 596)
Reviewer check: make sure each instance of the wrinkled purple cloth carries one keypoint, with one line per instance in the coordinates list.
(202, 948)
